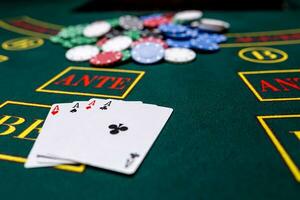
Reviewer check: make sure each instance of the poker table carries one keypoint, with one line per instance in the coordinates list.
(234, 132)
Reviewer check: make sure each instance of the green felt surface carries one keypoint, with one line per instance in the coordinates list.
(213, 146)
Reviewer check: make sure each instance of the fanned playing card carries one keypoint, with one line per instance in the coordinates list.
(58, 121)
(116, 137)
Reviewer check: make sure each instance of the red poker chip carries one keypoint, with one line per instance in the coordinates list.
(169, 15)
(156, 21)
(106, 58)
(101, 41)
(150, 39)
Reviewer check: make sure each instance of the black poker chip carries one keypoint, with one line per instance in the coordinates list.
(152, 33)
(113, 33)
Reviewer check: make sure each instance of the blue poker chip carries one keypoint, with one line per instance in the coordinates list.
(147, 53)
(151, 16)
(172, 28)
(204, 45)
(182, 36)
(217, 38)
(179, 43)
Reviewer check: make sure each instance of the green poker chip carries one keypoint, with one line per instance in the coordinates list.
(133, 34)
(56, 39)
(126, 55)
(81, 40)
(114, 22)
(68, 44)
(71, 31)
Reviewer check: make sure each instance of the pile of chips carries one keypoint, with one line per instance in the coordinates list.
(173, 37)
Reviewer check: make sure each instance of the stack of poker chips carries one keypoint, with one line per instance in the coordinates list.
(173, 37)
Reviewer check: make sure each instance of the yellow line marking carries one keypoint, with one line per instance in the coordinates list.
(12, 158)
(3, 58)
(140, 75)
(242, 52)
(41, 23)
(271, 43)
(271, 71)
(258, 96)
(22, 43)
(22, 31)
(250, 86)
(284, 154)
(260, 33)
(257, 55)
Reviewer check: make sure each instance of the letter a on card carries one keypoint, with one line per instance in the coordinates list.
(55, 110)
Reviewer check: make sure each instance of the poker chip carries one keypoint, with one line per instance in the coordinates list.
(189, 33)
(150, 39)
(82, 53)
(71, 31)
(114, 22)
(96, 29)
(179, 43)
(113, 33)
(67, 44)
(106, 58)
(217, 38)
(172, 28)
(142, 38)
(204, 45)
(179, 55)
(188, 15)
(210, 29)
(130, 22)
(56, 39)
(215, 22)
(151, 33)
(118, 43)
(125, 55)
(147, 53)
(101, 42)
(151, 16)
(81, 40)
(155, 22)
(133, 34)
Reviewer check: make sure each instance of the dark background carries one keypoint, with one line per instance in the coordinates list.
(145, 5)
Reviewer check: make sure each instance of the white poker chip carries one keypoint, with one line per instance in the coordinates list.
(82, 53)
(215, 22)
(188, 15)
(96, 29)
(179, 55)
(130, 22)
(118, 43)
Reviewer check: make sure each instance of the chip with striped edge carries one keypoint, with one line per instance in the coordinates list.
(179, 55)
(82, 53)
(147, 53)
(106, 58)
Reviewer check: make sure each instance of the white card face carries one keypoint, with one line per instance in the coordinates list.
(116, 138)
(66, 114)
(76, 106)
(57, 121)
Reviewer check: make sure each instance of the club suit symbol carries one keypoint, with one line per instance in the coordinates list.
(115, 129)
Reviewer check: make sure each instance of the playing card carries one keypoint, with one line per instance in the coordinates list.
(74, 108)
(91, 106)
(58, 121)
(65, 112)
(117, 140)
